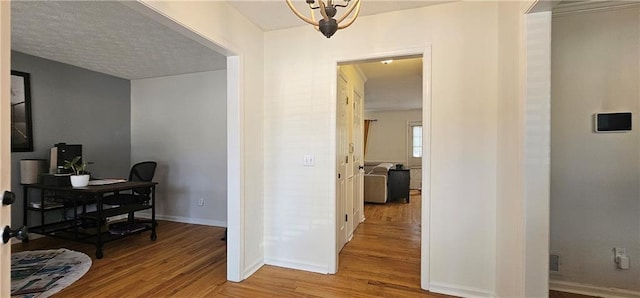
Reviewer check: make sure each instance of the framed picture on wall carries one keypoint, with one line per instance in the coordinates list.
(21, 135)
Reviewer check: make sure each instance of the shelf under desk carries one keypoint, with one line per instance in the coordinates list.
(74, 197)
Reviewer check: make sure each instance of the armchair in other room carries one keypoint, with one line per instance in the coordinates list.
(375, 184)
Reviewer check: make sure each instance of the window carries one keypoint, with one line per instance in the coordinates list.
(416, 137)
(414, 144)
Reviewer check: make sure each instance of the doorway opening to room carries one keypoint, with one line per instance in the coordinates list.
(213, 121)
(379, 143)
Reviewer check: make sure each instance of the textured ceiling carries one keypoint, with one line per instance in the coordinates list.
(106, 37)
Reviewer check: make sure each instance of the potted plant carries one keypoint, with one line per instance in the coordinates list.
(80, 177)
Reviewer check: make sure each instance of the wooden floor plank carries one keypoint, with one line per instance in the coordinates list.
(382, 260)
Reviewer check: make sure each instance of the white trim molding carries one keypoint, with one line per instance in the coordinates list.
(253, 268)
(458, 290)
(585, 289)
(537, 150)
(565, 8)
(297, 265)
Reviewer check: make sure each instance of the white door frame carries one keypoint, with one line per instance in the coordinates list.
(5, 141)
(235, 139)
(235, 172)
(426, 145)
(537, 147)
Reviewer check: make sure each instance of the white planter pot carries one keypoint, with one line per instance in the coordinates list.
(79, 180)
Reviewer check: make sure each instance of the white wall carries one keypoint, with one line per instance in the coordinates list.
(509, 202)
(217, 23)
(595, 195)
(401, 92)
(300, 85)
(180, 122)
(387, 141)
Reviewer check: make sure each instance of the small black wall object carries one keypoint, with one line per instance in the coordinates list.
(606, 122)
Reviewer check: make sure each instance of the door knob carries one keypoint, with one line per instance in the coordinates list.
(8, 198)
(20, 234)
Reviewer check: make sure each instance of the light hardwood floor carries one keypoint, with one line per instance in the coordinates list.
(383, 259)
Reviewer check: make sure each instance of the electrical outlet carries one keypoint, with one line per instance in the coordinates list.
(620, 252)
(554, 263)
(621, 259)
(201, 202)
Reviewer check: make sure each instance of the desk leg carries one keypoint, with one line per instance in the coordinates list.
(99, 226)
(25, 204)
(42, 210)
(25, 200)
(77, 223)
(99, 253)
(154, 236)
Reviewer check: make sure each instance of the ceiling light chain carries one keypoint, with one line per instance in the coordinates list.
(328, 25)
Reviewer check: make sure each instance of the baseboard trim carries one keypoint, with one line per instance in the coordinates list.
(253, 268)
(458, 290)
(188, 220)
(585, 289)
(296, 265)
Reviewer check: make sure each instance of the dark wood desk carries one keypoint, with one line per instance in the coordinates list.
(67, 197)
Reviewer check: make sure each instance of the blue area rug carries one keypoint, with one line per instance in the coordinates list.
(42, 273)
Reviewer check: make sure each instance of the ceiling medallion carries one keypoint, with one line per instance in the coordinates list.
(328, 9)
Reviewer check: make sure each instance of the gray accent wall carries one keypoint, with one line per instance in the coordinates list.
(76, 106)
(595, 194)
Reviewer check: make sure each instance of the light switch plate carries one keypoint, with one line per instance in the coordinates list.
(309, 160)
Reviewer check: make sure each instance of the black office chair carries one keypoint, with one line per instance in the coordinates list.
(142, 171)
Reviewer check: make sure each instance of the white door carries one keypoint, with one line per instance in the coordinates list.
(349, 204)
(358, 163)
(5, 142)
(342, 152)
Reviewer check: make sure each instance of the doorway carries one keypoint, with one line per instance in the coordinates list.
(234, 136)
(408, 79)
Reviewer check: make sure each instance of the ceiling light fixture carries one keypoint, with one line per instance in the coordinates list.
(328, 25)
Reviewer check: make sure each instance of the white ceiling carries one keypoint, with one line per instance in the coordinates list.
(394, 86)
(275, 14)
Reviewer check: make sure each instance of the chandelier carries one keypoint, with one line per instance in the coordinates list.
(328, 9)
